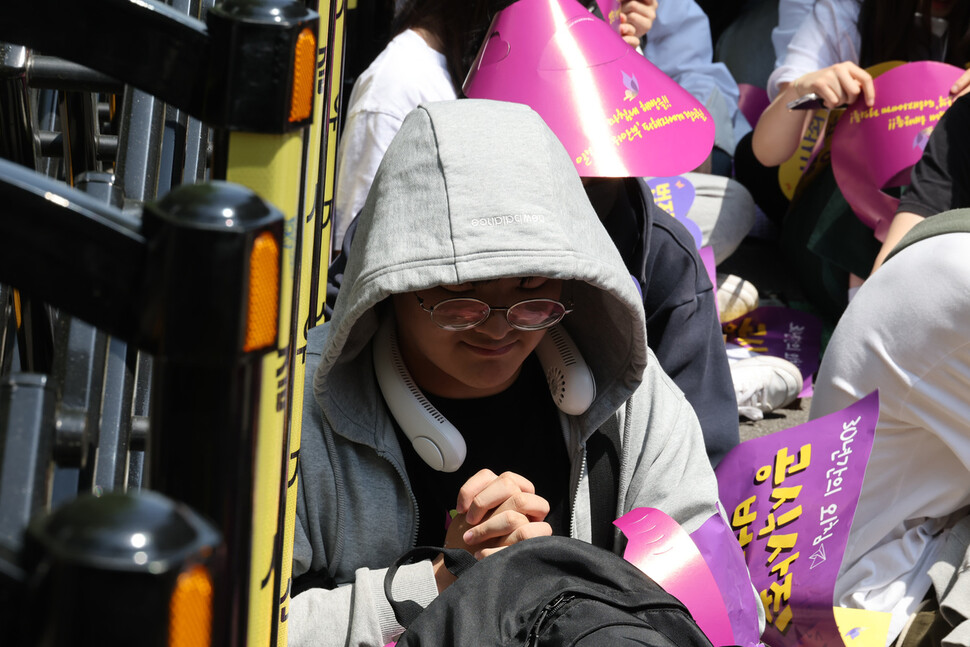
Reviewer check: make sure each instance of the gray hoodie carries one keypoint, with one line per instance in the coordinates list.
(469, 191)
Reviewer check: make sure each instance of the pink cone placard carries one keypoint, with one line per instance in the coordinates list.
(658, 546)
(875, 148)
(615, 112)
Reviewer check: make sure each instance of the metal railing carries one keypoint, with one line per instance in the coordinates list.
(127, 276)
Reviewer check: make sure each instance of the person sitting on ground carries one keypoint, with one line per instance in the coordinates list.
(475, 239)
(825, 54)
(678, 299)
(682, 323)
(832, 251)
(906, 334)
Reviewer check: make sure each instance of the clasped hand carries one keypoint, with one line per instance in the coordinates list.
(494, 511)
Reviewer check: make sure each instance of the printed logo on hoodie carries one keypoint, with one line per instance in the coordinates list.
(517, 219)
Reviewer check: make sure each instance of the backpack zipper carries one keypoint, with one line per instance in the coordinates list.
(575, 501)
(554, 605)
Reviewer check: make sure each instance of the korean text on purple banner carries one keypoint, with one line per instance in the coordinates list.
(790, 498)
(784, 511)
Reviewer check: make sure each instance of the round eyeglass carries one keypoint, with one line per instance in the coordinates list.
(463, 313)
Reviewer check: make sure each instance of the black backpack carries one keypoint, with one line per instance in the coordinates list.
(544, 592)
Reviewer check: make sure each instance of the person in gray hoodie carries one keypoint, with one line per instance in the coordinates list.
(476, 200)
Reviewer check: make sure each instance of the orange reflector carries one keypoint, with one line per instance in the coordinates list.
(190, 609)
(16, 307)
(264, 292)
(304, 73)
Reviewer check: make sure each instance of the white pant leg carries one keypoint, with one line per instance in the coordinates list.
(724, 211)
(907, 333)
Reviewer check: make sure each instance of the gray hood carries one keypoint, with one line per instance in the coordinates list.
(473, 190)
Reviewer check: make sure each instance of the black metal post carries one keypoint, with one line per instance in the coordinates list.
(205, 403)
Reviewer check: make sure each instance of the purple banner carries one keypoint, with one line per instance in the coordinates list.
(675, 195)
(781, 332)
(790, 497)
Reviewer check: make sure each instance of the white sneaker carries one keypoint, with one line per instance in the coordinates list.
(763, 384)
(735, 296)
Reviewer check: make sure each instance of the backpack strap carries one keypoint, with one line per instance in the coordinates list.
(456, 560)
(953, 221)
(603, 463)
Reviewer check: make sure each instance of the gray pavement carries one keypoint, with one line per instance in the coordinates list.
(779, 419)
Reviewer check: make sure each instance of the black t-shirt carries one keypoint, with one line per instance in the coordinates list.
(517, 430)
(938, 179)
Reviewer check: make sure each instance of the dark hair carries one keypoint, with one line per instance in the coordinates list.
(889, 31)
(460, 25)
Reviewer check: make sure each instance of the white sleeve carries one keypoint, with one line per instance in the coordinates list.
(791, 14)
(365, 138)
(828, 35)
